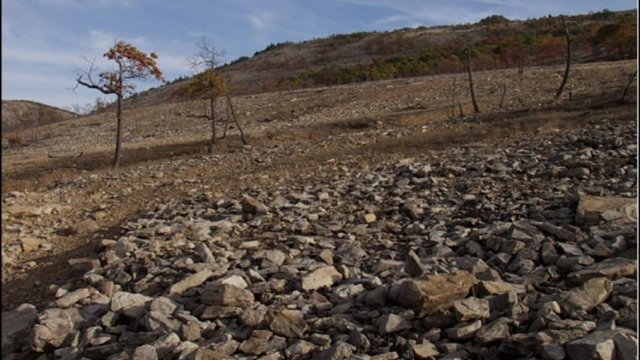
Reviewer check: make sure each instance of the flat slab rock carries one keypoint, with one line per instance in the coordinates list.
(593, 210)
(319, 278)
(435, 293)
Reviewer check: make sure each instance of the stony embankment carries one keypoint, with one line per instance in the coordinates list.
(526, 250)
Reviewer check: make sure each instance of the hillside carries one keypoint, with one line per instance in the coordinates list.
(23, 114)
(362, 221)
(365, 56)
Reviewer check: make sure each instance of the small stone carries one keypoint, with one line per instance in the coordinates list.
(131, 305)
(276, 257)
(163, 230)
(86, 226)
(252, 206)
(16, 325)
(30, 244)
(377, 296)
(552, 352)
(145, 352)
(54, 328)
(83, 264)
(370, 218)
(166, 344)
(413, 265)
(425, 350)
(471, 308)
(227, 295)
(287, 323)
(73, 297)
(437, 292)
(598, 345)
(220, 312)
(498, 287)
(163, 305)
(191, 281)
(235, 280)
(593, 210)
(326, 255)
(496, 331)
(298, 349)
(253, 317)
(589, 295)
(185, 349)
(610, 268)
(319, 278)
(338, 351)
(391, 323)
(464, 331)
(626, 346)
(191, 331)
(255, 345)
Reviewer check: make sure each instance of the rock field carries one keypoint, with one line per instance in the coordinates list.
(524, 250)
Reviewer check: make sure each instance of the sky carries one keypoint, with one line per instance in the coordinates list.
(45, 41)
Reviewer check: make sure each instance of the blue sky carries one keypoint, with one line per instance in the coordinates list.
(43, 40)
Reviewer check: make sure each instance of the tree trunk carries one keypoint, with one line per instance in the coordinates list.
(228, 119)
(476, 109)
(453, 99)
(504, 92)
(626, 89)
(568, 67)
(116, 159)
(235, 119)
(212, 103)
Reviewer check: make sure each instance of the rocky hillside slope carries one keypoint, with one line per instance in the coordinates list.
(521, 248)
(362, 222)
(24, 114)
(347, 58)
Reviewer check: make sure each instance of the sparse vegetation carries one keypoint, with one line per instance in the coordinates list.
(536, 41)
(494, 20)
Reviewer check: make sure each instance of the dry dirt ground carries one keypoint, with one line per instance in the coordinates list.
(60, 193)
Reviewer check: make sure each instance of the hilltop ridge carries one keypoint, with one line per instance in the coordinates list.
(496, 42)
(22, 114)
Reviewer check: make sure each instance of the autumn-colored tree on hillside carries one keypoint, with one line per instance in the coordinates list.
(131, 64)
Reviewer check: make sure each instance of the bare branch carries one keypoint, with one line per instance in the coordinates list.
(90, 82)
(207, 56)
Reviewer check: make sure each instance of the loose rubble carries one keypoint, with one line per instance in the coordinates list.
(496, 252)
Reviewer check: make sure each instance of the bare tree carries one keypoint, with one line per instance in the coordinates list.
(208, 81)
(131, 64)
(476, 109)
(212, 85)
(206, 57)
(568, 66)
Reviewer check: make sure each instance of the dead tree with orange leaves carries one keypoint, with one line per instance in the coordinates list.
(131, 64)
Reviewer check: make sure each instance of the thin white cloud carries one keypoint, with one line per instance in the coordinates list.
(102, 40)
(172, 62)
(40, 56)
(88, 3)
(30, 78)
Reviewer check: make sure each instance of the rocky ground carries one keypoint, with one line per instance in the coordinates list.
(504, 235)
